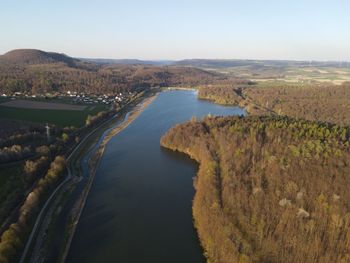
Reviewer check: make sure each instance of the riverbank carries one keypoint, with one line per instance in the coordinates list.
(93, 164)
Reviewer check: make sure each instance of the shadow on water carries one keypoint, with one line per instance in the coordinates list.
(179, 158)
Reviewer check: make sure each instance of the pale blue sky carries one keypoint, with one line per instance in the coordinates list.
(171, 29)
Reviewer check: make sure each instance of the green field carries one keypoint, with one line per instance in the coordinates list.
(60, 118)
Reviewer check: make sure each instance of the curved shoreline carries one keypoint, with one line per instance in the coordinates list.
(94, 161)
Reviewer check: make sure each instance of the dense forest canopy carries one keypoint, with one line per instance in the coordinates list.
(330, 103)
(269, 189)
(222, 94)
(317, 102)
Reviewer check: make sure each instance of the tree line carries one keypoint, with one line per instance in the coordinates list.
(14, 153)
(13, 239)
(316, 102)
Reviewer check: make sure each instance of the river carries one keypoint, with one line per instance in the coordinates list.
(139, 206)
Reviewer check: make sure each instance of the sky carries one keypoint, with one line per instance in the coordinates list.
(179, 29)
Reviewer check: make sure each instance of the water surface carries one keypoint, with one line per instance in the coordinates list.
(139, 206)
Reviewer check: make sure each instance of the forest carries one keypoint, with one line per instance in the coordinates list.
(38, 72)
(224, 94)
(269, 188)
(41, 79)
(317, 102)
(13, 239)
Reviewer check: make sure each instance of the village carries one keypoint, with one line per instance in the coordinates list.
(73, 97)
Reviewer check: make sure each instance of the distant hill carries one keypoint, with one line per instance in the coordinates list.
(230, 63)
(213, 63)
(216, 63)
(35, 56)
(128, 61)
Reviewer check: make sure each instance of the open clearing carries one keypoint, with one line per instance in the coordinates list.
(29, 104)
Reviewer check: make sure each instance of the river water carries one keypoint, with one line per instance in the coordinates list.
(139, 206)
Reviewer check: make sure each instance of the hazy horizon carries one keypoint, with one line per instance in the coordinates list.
(167, 30)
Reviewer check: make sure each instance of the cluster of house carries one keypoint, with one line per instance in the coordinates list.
(78, 97)
(100, 98)
(14, 95)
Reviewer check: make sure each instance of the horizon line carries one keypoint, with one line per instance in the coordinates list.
(183, 59)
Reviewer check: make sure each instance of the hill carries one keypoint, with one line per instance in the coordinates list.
(231, 63)
(35, 56)
(128, 61)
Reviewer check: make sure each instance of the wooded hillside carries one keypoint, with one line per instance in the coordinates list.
(316, 102)
(269, 189)
(39, 72)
